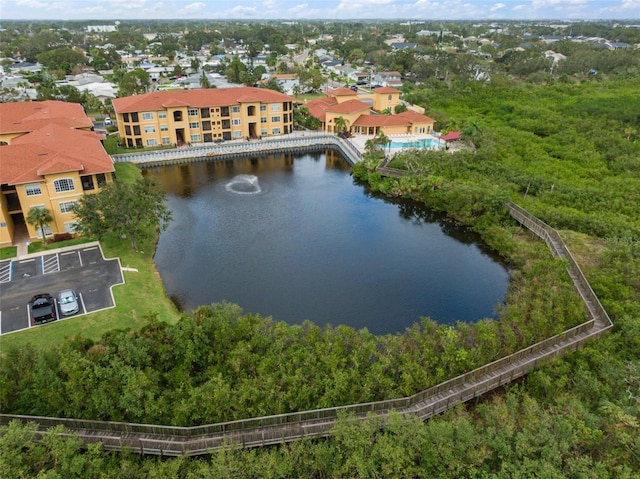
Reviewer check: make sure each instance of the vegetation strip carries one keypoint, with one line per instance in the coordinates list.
(263, 431)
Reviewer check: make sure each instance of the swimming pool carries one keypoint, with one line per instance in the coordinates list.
(424, 143)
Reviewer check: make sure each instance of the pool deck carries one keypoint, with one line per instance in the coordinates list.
(360, 140)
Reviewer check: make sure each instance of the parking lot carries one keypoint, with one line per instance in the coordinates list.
(83, 269)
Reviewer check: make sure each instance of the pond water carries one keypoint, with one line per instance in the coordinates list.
(295, 238)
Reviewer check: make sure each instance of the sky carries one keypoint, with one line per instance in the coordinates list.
(319, 9)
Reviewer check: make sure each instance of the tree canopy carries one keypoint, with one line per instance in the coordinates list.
(127, 209)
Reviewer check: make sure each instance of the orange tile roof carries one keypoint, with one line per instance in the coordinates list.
(349, 106)
(318, 107)
(19, 117)
(205, 97)
(386, 89)
(342, 92)
(52, 149)
(404, 118)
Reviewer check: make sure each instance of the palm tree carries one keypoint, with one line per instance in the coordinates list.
(39, 217)
(342, 125)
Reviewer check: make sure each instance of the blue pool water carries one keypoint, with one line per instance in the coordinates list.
(426, 143)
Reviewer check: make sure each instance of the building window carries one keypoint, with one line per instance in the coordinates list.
(127, 130)
(125, 117)
(237, 134)
(194, 125)
(147, 116)
(152, 142)
(235, 109)
(136, 130)
(67, 206)
(275, 107)
(275, 131)
(101, 178)
(164, 127)
(263, 119)
(177, 115)
(193, 112)
(275, 119)
(134, 118)
(166, 140)
(33, 189)
(264, 132)
(63, 184)
(47, 231)
(87, 182)
(235, 121)
(162, 114)
(71, 227)
(263, 107)
(195, 138)
(390, 97)
(149, 129)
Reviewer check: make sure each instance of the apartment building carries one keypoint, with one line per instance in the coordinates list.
(49, 157)
(178, 117)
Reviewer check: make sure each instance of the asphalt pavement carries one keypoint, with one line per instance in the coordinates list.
(82, 268)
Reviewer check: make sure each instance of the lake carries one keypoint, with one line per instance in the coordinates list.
(293, 236)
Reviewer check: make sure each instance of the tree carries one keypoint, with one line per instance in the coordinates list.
(342, 125)
(39, 217)
(400, 108)
(127, 209)
(133, 82)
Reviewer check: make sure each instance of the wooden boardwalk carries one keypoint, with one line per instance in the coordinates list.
(269, 430)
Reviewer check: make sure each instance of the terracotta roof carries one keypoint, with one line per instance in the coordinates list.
(349, 106)
(18, 117)
(52, 149)
(319, 106)
(197, 98)
(342, 92)
(399, 119)
(452, 136)
(386, 89)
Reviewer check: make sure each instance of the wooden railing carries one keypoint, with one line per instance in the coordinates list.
(276, 429)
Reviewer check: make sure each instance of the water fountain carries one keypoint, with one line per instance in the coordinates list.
(244, 185)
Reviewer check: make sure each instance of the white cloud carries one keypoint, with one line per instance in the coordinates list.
(497, 6)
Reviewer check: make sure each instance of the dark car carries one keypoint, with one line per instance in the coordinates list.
(43, 308)
(68, 302)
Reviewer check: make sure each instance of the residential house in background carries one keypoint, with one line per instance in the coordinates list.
(178, 117)
(49, 157)
(392, 79)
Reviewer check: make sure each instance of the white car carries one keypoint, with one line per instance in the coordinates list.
(68, 302)
(107, 121)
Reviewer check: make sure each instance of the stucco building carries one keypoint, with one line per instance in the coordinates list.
(354, 110)
(179, 117)
(49, 157)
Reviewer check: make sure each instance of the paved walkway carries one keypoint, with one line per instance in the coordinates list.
(20, 239)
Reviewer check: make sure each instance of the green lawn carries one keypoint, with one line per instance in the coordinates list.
(142, 294)
(8, 252)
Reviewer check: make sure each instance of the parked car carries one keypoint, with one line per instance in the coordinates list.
(68, 302)
(107, 121)
(43, 308)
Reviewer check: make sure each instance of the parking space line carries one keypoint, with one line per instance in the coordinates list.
(84, 308)
(51, 265)
(5, 271)
(79, 257)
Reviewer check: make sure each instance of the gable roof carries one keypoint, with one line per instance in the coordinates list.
(452, 136)
(161, 100)
(319, 106)
(386, 89)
